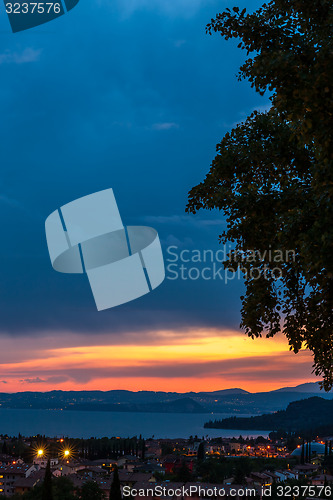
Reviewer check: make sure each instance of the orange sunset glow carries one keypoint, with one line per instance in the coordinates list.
(199, 360)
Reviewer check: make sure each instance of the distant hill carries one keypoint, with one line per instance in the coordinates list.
(227, 401)
(310, 387)
(302, 415)
(183, 405)
(230, 391)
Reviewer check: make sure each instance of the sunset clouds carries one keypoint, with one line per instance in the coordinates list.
(134, 96)
(165, 360)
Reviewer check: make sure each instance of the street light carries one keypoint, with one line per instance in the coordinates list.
(39, 451)
(67, 451)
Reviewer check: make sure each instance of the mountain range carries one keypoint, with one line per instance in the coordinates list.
(315, 414)
(229, 401)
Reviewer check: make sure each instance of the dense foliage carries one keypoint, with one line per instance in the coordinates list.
(115, 490)
(273, 176)
(313, 414)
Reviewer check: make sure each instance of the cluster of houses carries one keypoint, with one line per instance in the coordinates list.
(230, 446)
(144, 475)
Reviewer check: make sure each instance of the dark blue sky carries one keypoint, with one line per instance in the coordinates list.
(128, 94)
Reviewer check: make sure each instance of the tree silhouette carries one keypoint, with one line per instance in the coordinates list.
(143, 449)
(47, 483)
(115, 491)
(183, 474)
(272, 177)
(302, 453)
(201, 451)
(4, 448)
(91, 491)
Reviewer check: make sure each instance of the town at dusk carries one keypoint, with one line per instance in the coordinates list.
(166, 298)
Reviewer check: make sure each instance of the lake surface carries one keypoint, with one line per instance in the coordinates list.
(88, 424)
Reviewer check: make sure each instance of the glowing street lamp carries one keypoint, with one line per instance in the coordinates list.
(39, 451)
(67, 451)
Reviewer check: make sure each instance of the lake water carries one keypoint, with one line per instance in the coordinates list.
(88, 424)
